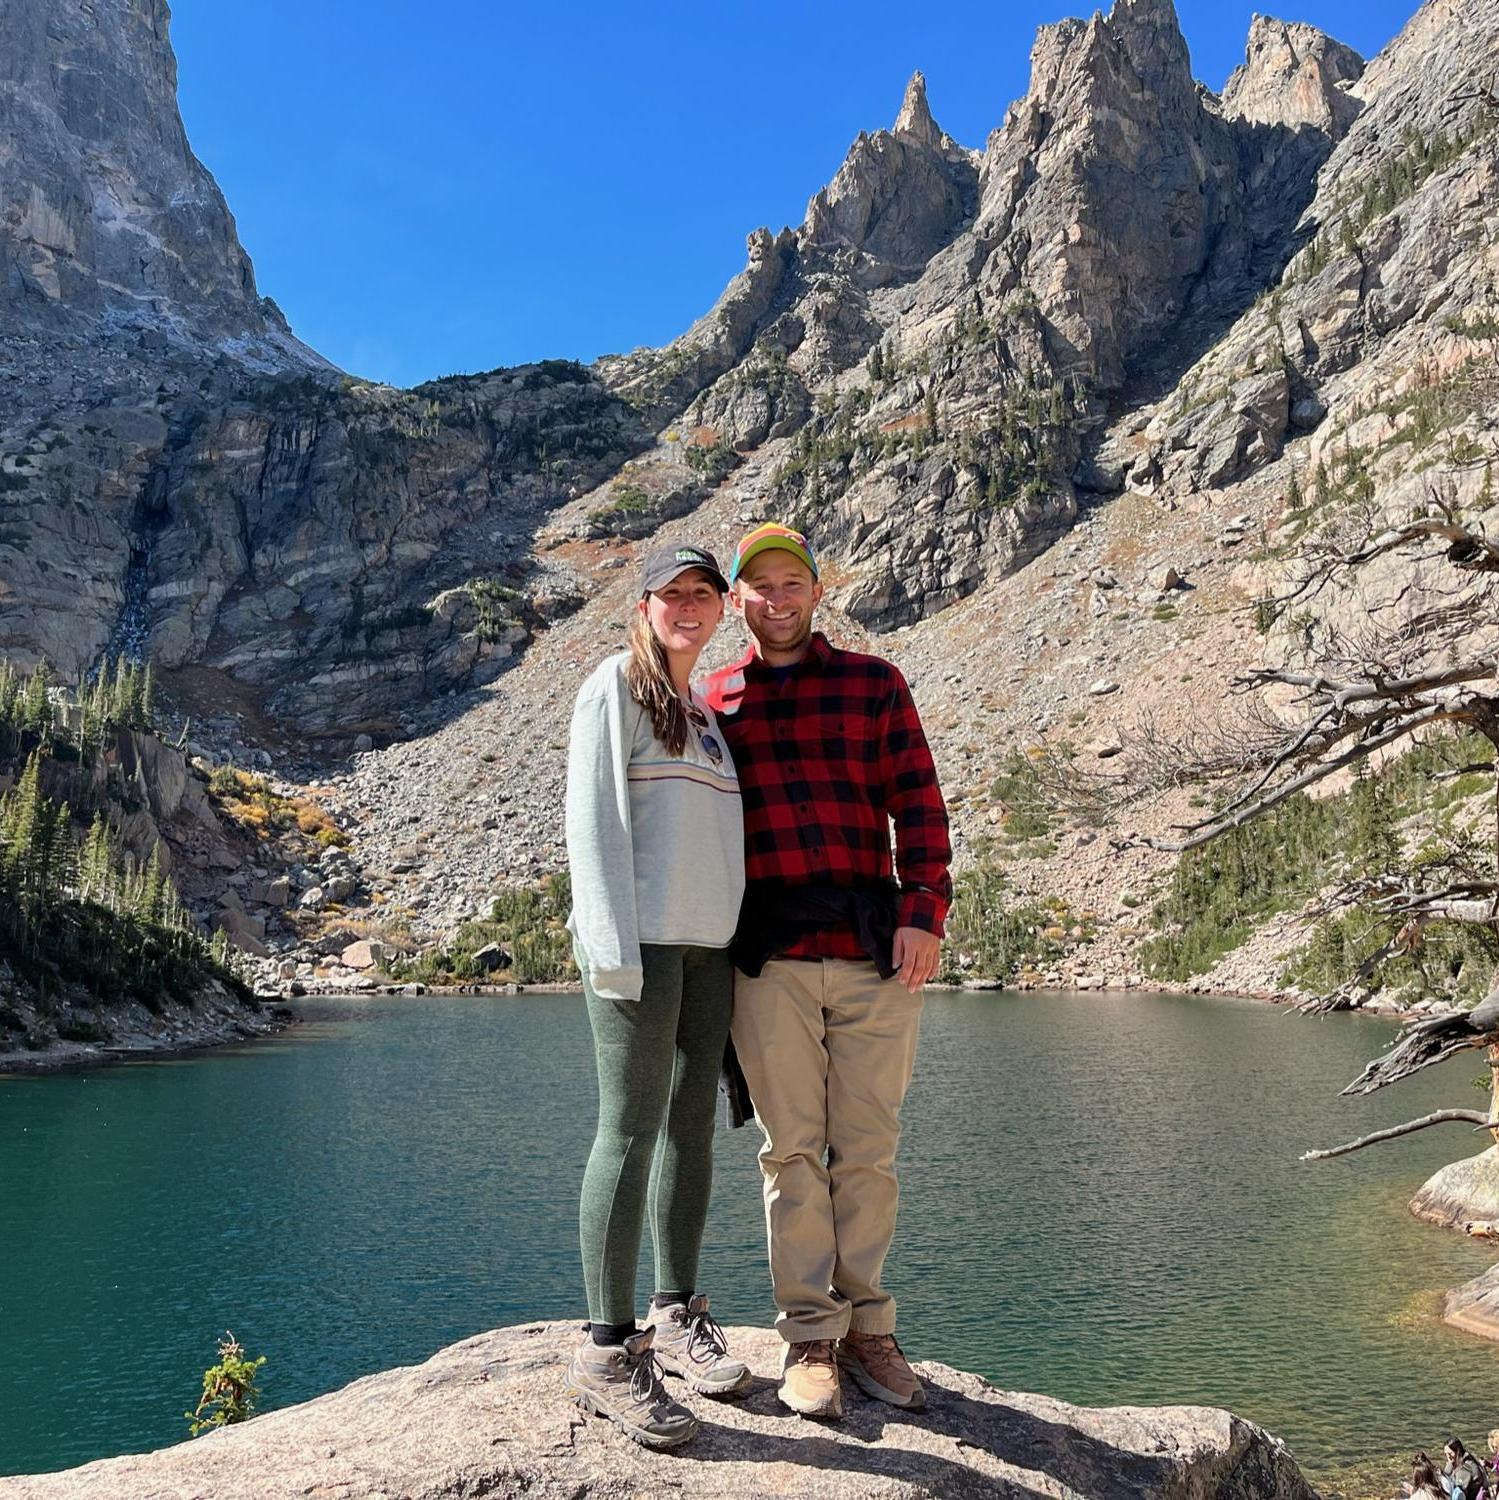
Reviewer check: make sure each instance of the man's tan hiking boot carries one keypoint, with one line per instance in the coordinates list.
(809, 1380)
(623, 1382)
(691, 1344)
(880, 1369)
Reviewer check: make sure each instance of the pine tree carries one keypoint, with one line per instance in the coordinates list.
(94, 863)
(1321, 484)
(153, 882)
(18, 831)
(119, 693)
(10, 694)
(144, 695)
(36, 709)
(57, 854)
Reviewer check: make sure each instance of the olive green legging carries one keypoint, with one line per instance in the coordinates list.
(658, 1063)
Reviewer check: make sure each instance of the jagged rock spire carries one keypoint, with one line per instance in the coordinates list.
(1151, 36)
(915, 122)
(1293, 74)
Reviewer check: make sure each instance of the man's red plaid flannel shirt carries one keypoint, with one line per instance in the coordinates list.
(829, 755)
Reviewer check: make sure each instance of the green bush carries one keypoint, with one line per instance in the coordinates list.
(229, 1390)
(713, 461)
(1029, 818)
(527, 921)
(495, 604)
(989, 935)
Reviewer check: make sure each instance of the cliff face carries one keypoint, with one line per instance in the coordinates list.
(109, 225)
(344, 552)
(1004, 304)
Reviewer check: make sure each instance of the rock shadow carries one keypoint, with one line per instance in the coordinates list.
(871, 1440)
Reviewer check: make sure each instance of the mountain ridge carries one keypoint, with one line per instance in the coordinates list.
(1010, 391)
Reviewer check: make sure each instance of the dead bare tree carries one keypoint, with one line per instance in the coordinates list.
(1419, 664)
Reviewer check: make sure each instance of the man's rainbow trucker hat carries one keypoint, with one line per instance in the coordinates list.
(763, 539)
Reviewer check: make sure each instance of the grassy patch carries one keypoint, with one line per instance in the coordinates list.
(624, 500)
(249, 801)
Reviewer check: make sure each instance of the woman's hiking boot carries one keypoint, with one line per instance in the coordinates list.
(623, 1382)
(691, 1344)
(809, 1380)
(881, 1370)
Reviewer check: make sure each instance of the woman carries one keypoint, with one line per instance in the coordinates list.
(1462, 1476)
(1424, 1483)
(656, 844)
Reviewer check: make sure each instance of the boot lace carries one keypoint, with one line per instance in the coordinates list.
(646, 1379)
(815, 1352)
(879, 1350)
(705, 1339)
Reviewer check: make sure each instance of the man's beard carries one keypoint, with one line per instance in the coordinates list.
(789, 643)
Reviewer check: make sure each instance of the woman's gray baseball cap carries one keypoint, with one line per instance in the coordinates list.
(662, 564)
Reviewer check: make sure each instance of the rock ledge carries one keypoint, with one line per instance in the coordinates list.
(487, 1418)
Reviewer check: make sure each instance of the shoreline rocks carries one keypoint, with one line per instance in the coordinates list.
(216, 1019)
(1473, 1307)
(1461, 1192)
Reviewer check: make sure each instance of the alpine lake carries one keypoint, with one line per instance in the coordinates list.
(1101, 1200)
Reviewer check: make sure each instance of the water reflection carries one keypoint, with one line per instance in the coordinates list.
(1101, 1200)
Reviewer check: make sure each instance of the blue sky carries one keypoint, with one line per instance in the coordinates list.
(454, 186)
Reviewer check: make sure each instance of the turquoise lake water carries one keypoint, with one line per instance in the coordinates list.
(1101, 1200)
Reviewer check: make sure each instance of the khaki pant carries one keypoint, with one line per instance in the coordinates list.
(827, 1049)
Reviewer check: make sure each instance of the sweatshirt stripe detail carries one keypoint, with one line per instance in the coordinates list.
(707, 786)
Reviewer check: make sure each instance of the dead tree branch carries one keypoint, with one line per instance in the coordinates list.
(1437, 1117)
(1431, 1041)
(1242, 812)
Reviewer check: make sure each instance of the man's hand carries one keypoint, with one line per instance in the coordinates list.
(914, 955)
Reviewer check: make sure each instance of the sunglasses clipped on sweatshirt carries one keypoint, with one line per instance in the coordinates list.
(699, 721)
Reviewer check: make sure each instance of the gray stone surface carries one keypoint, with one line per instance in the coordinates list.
(487, 1418)
(1474, 1306)
(1462, 1192)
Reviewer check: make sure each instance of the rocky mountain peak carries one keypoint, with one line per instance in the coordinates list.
(1112, 184)
(109, 225)
(915, 122)
(1293, 74)
(898, 197)
(1151, 37)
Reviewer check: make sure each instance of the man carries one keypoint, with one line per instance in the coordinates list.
(831, 957)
